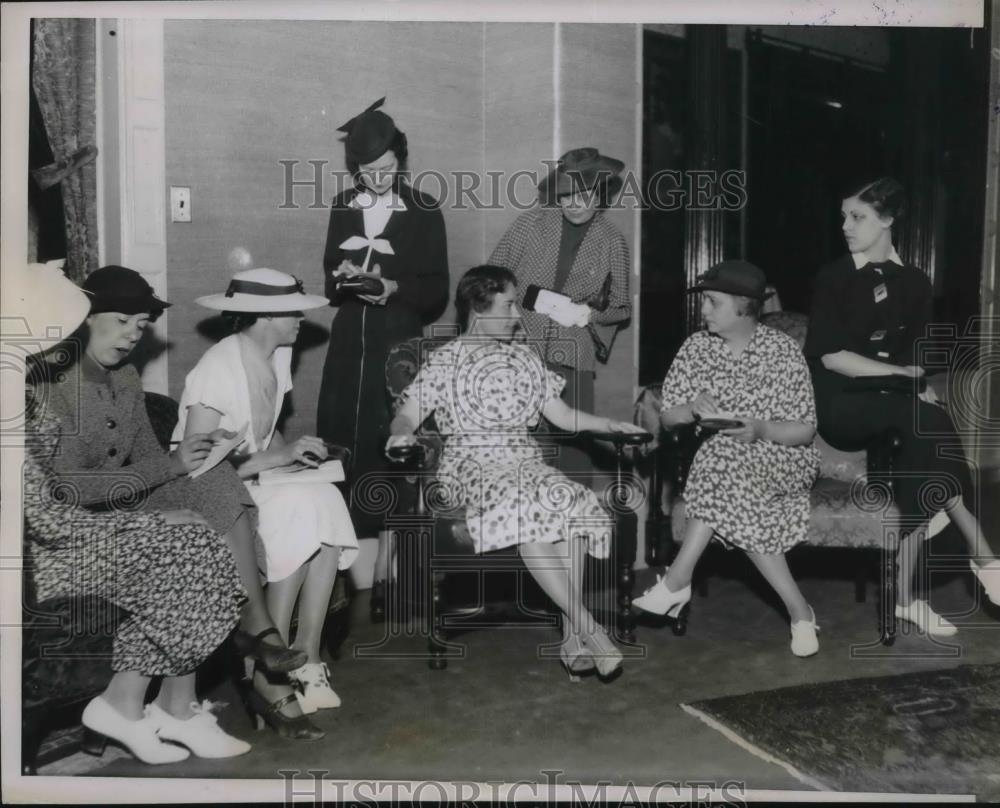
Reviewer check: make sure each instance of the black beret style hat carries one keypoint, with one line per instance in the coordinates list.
(734, 278)
(120, 289)
(369, 134)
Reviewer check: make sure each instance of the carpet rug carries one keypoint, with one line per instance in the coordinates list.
(932, 732)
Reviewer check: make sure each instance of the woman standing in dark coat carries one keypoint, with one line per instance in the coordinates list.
(394, 238)
(869, 312)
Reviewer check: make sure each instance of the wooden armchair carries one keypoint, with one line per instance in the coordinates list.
(436, 551)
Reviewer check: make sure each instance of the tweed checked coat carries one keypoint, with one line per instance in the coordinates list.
(530, 249)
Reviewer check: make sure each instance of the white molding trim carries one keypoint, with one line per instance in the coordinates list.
(142, 164)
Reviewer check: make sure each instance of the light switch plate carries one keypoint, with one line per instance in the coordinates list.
(180, 203)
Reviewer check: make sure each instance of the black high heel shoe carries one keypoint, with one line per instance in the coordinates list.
(376, 607)
(274, 658)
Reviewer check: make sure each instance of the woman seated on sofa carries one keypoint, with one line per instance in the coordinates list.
(749, 483)
(486, 392)
(111, 458)
(305, 528)
(166, 569)
(869, 312)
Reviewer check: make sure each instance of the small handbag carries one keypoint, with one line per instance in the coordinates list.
(359, 285)
(600, 301)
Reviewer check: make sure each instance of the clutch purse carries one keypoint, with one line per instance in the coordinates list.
(359, 285)
(545, 300)
(600, 302)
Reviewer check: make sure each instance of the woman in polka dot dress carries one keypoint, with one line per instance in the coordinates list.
(486, 393)
(749, 483)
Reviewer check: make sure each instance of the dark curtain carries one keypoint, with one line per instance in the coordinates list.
(63, 79)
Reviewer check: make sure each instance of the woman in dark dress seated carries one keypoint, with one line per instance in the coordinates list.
(869, 312)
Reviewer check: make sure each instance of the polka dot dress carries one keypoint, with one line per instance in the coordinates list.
(754, 495)
(486, 396)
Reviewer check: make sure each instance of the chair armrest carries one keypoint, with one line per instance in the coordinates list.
(419, 456)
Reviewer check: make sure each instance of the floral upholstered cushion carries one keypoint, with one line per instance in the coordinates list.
(66, 651)
(841, 515)
(791, 323)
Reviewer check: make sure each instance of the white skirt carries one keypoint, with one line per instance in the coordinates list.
(295, 520)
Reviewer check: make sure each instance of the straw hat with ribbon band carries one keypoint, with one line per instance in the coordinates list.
(263, 291)
(580, 169)
(369, 134)
(734, 278)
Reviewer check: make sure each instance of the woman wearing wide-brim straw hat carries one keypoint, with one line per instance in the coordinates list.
(305, 528)
(567, 245)
(394, 236)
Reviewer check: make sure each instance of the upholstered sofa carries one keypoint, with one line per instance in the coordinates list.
(66, 642)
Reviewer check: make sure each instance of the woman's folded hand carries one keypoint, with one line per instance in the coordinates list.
(308, 450)
(751, 430)
(190, 453)
(705, 405)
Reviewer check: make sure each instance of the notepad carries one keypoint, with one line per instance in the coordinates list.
(220, 451)
(331, 471)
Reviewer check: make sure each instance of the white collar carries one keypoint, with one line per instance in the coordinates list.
(366, 200)
(861, 259)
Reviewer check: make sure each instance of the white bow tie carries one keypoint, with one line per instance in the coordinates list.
(379, 245)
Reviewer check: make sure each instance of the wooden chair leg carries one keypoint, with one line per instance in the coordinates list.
(887, 614)
(626, 615)
(435, 640)
(32, 735)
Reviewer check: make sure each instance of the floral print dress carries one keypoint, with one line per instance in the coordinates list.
(178, 584)
(486, 396)
(754, 495)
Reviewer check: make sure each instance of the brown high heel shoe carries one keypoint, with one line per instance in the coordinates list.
(274, 658)
(261, 712)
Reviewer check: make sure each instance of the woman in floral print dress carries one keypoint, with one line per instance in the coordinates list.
(486, 393)
(749, 484)
(170, 572)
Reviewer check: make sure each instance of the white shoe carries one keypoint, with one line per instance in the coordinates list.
(201, 733)
(804, 640)
(104, 722)
(660, 600)
(314, 691)
(919, 613)
(989, 576)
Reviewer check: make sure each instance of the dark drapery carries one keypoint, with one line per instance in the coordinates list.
(63, 79)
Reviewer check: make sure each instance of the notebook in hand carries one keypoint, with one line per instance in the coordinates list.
(332, 471)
